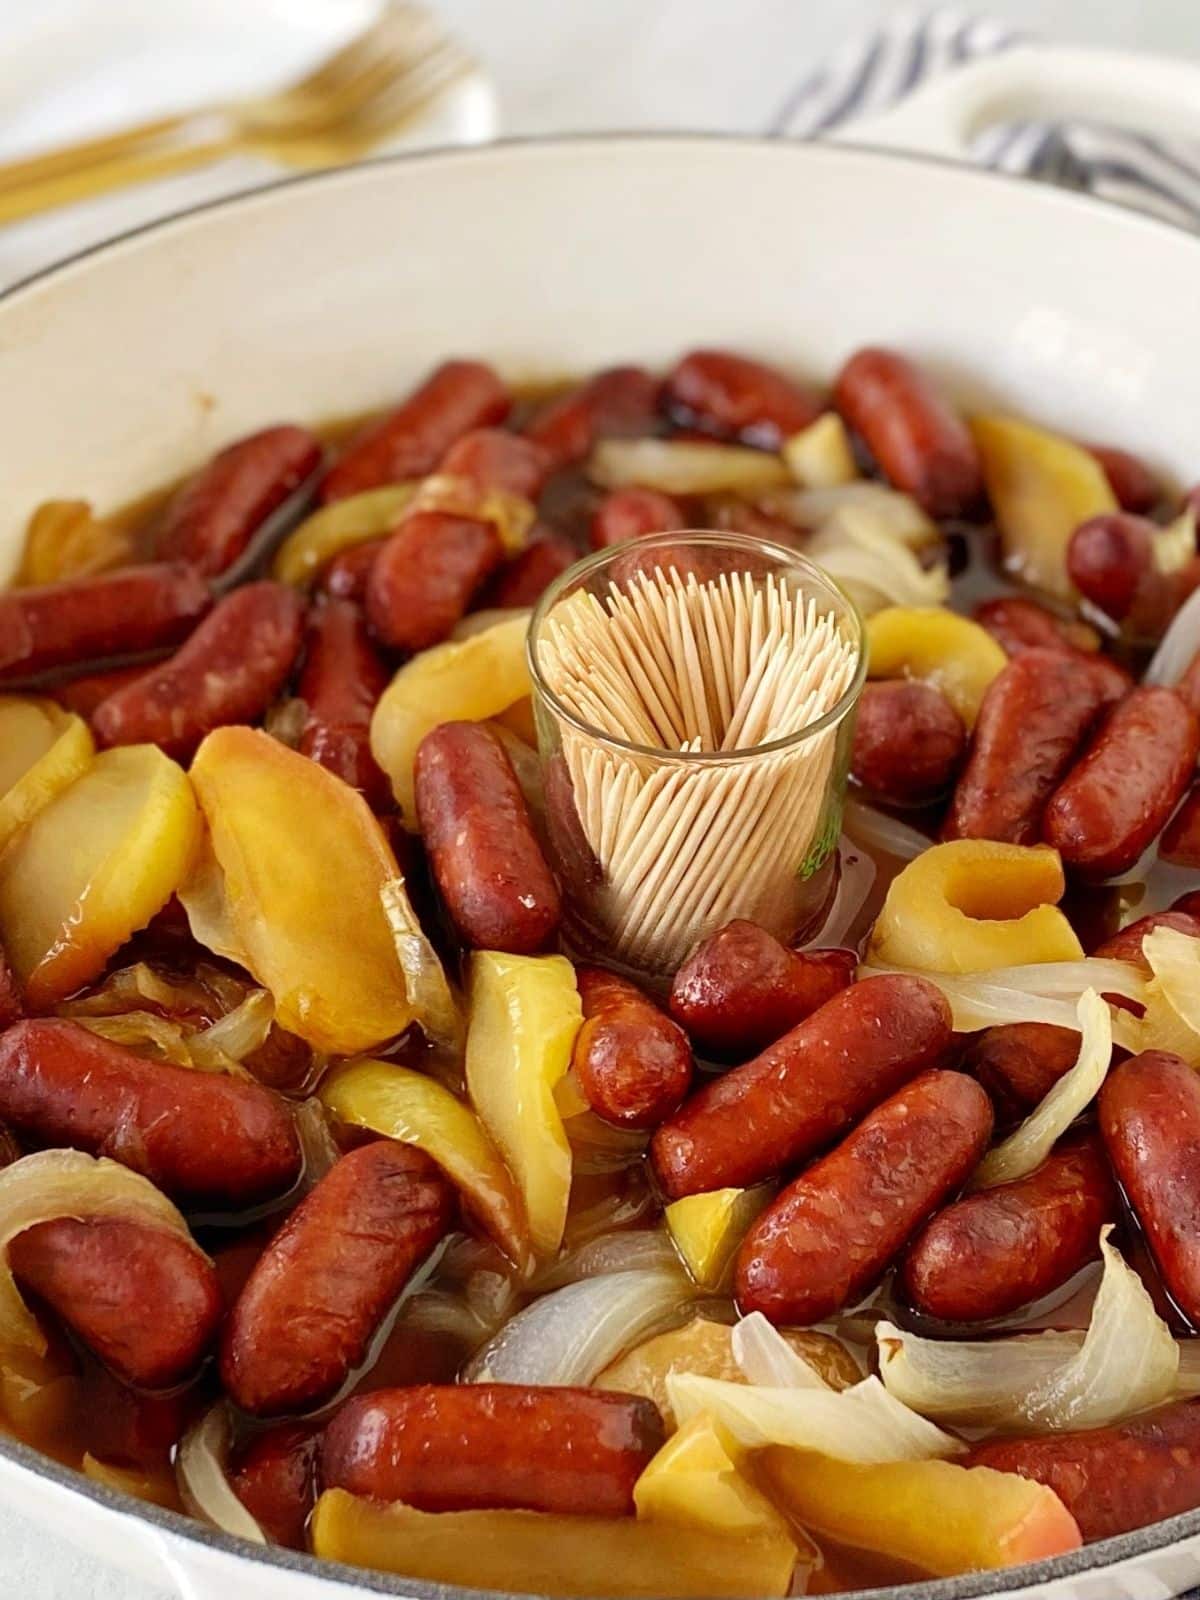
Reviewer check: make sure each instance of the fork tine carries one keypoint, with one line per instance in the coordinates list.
(410, 90)
(356, 51)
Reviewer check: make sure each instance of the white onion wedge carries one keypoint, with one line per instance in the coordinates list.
(768, 1360)
(1046, 991)
(1174, 959)
(569, 1336)
(896, 514)
(875, 565)
(238, 1034)
(203, 1484)
(1028, 1146)
(1125, 1362)
(862, 1423)
(684, 466)
(1177, 646)
(68, 1183)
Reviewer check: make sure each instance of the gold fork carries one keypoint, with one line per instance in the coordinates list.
(370, 88)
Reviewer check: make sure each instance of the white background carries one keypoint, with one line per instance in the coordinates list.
(558, 64)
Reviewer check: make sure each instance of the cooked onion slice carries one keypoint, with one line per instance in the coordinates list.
(1027, 1147)
(862, 1423)
(203, 1482)
(67, 1183)
(1125, 1362)
(1046, 991)
(1174, 959)
(571, 1335)
(683, 466)
(1177, 646)
(767, 1359)
(875, 565)
(237, 1035)
(895, 514)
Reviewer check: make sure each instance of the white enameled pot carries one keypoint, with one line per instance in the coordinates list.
(125, 367)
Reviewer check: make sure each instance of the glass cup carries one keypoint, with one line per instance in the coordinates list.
(657, 845)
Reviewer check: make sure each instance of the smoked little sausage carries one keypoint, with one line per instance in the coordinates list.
(202, 1137)
(1110, 560)
(12, 1006)
(922, 446)
(342, 679)
(1115, 800)
(425, 577)
(214, 516)
(732, 397)
(328, 1278)
(1150, 1119)
(276, 1480)
(1018, 624)
(633, 1063)
(522, 581)
(87, 619)
(485, 857)
(626, 514)
(1127, 944)
(1181, 837)
(619, 400)
(144, 1300)
(1113, 1479)
(410, 441)
(482, 1446)
(995, 1251)
(490, 458)
(909, 742)
(346, 575)
(806, 1089)
(1034, 717)
(83, 695)
(1130, 479)
(741, 989)
(229, 671)
(1018, 1063)
(831, 1234)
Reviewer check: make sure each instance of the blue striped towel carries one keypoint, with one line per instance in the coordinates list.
(876, 69)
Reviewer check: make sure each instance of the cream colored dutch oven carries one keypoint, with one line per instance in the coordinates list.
(125, 367)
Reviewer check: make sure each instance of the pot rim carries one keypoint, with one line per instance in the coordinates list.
(1145, 1541)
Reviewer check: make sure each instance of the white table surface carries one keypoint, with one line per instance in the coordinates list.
(587, 64)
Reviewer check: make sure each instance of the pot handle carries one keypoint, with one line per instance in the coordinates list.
(1053, 83)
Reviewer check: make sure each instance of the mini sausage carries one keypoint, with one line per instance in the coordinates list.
(342, 680)
(522, 581)
(1002, 1248)
(480, 1446)
(633, 1063)
(1127, 944)
(1112, 1479)
(229, 671)
(275, 1478)
(212, 519)
(626, 514)
(305, 1319)
(909, 742)
(1110, 560)
(144, 1300)
(1132, 482)
(806, 1089)
(86, 619)
(619, 400)
(83, 695)
(729, 396)
(423, 580)
(411, 440)
(1034, 717)
(741, 989)
(1116, 799)
(491, 458)
(1181, 838)
(1150, 1119)
(202, 1137)
(346, 575)
(483, 852)
(1018, 1063)
(832, 1233)
(921, 445)
(1019, 624)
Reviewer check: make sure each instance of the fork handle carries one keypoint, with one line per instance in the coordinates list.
(68, 158)
(103, 176)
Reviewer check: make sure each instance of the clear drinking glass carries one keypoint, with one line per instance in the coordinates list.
(657, 846)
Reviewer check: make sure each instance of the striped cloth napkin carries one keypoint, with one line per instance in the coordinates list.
(876, 69)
